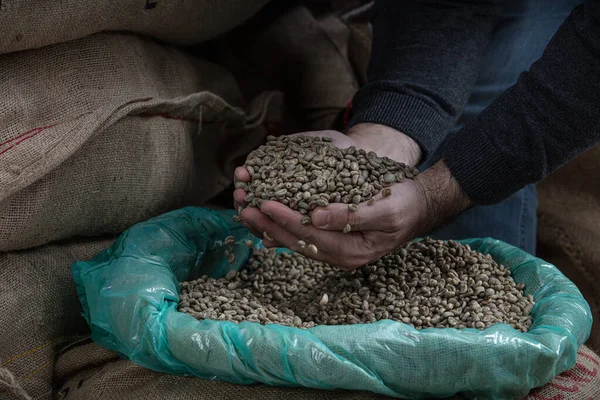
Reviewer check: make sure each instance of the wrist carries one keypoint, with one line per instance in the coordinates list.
(442, 195)
(386, 141)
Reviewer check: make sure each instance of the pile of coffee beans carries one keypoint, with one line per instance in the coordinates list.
(305, 172)
(425, 284)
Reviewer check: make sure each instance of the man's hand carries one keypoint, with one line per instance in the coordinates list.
(383, 140)
(386, 141)
(414, 208)
(338, 139)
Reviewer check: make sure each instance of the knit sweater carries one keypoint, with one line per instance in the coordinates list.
(424, 64)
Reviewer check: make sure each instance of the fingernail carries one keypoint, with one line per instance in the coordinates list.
(321, 218)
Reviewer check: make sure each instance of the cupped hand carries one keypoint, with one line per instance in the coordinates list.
(375, 228)
(386, 142)
(241, 174)
(382, 140)
(414, 207)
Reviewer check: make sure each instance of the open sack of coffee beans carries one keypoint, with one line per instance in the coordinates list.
(192, 292)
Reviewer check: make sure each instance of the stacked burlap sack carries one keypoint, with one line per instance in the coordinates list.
(30, 24)
(569, 227)
(102, 132)
(318, 62)
(102, 129)
(39, 314)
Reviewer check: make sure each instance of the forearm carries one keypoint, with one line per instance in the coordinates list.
(423, 66)
(551, 115)
(442, 197)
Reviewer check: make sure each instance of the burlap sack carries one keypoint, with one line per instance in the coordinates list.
(29, 24)
(84, 371)
(361, 39)
(10, 387)
(39, 313)
(106, 131)
(582, 382)
(289, 49)
(569, 227)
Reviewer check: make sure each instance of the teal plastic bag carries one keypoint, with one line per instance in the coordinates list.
(130, 292)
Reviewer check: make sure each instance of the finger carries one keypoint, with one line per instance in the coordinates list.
(382, 215)
(289, 220)
(236, 204)
(252, 230)
(262, 223)
(284, 238)
(335, 246)
(241, 174)
(238, 197)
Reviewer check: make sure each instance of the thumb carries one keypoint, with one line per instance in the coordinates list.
(377, 217)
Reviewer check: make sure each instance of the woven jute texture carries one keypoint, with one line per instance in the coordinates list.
(582, 382)
(10, 388)
(28, 24)
(103, 132)
(39, 313)
(307, 58)
(86, 371)
(569, 227)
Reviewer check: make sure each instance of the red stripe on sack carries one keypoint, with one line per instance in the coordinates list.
(570, 376)
(592, 359)
(36, 131)
(23, 134)
(573, 389)
(590, 372)
(538, 396)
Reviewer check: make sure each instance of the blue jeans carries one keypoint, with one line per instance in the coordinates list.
(524, 30)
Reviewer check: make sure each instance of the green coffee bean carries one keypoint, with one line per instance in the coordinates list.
(428, 284)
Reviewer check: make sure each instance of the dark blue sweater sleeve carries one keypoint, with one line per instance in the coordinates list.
(548, 117)
(424, 63)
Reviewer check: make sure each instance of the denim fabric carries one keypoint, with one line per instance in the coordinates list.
(524, 30)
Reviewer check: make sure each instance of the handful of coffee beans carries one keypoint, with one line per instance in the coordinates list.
(305, 172)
